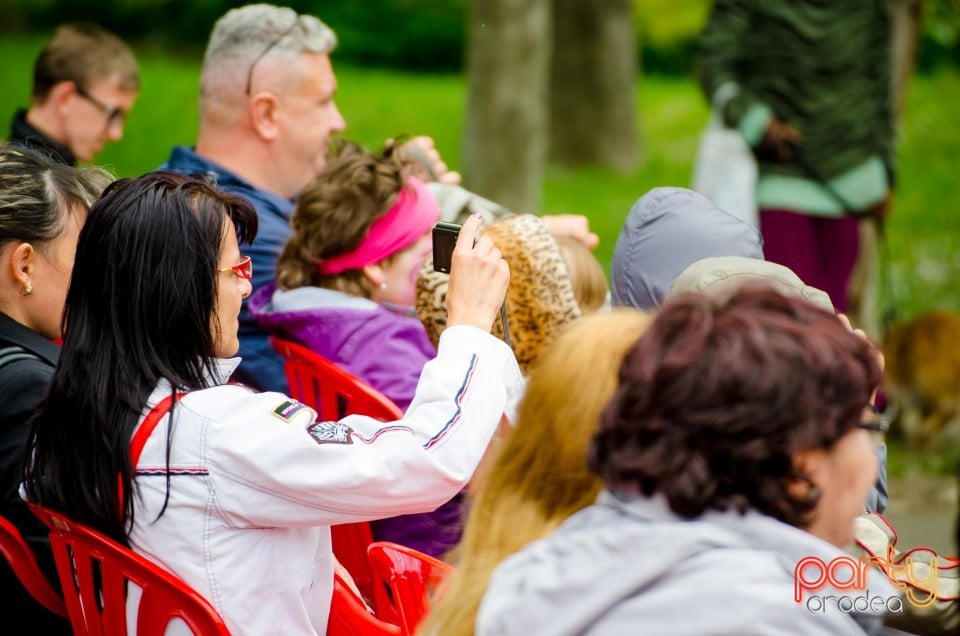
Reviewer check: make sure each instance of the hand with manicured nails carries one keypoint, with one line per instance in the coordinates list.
(479, 278)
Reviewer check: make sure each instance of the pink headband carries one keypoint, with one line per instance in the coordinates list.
(415, 212)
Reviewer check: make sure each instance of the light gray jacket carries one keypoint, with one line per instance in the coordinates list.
(633, 567)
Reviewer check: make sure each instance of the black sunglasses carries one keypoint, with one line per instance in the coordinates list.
(114, 115)
(877, 422)
(257, 59)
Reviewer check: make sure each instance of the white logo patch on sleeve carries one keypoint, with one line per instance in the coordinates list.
(288, 409)
(330, 433)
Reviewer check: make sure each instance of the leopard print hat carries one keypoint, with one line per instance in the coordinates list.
(540, 299)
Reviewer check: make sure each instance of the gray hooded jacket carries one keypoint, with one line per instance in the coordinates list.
(633, 567)
(666, 230)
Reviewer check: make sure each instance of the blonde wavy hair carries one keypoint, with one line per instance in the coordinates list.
(586, 274)
(539, 476)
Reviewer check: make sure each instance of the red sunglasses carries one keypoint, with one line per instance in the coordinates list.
(243, 269)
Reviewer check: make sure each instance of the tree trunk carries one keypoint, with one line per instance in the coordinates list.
(905, 16)
(505, 133)
(865, 311)
(593, 78)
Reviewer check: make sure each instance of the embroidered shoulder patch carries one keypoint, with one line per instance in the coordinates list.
(288, 409)
(330, 433)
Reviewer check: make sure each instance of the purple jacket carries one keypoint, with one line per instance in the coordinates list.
(386, 350)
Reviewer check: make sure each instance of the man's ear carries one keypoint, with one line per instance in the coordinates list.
(60, 94)
(264, 112)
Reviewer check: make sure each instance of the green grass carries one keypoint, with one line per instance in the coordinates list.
(924, 234)
(903, 461)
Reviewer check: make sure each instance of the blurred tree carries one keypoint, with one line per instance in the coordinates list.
(410, 34)
(941, 33)
(865, 294)
(420, 34)
(505, 136)
(906, 18)
(593, 76)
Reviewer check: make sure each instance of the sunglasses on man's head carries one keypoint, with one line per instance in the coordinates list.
(266, 50)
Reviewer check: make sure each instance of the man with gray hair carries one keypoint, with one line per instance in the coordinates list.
(267, 113)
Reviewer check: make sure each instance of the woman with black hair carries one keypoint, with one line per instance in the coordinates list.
(43, 205)
(232, 490)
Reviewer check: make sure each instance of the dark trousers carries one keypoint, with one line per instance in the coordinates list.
(822, 251)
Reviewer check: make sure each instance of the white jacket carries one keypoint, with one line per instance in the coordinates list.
(255, 482)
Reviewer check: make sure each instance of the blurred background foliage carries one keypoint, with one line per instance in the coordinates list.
(412, 50)
(423, 35)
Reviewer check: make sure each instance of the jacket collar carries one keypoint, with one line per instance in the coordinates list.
(13, 332)
(26, 135)
(187, 160)
(752, 528)
(223, 368)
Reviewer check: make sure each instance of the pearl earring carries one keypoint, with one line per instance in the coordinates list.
(383, 285)
(26, 291)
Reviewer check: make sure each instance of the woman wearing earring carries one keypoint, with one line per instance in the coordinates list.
(346, 286)
(232, 490)
(43, 204)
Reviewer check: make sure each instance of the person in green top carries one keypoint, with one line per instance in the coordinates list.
(807, 84)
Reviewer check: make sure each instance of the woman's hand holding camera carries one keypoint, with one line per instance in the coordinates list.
(479, 278)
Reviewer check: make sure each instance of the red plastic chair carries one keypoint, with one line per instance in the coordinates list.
(332, 391)
(350, 616)
(94, 571)
(412, 578)
(23, 562)
(350, 541)
(335, 393)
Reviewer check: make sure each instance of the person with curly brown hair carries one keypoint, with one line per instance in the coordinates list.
(733, 452)
(346, 279)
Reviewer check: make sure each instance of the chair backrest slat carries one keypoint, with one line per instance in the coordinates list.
(23, 562)
(96, 573)
(349, 615)
(412, 578)
(331, 390)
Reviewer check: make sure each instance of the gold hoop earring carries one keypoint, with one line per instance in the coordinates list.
(26, 291)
